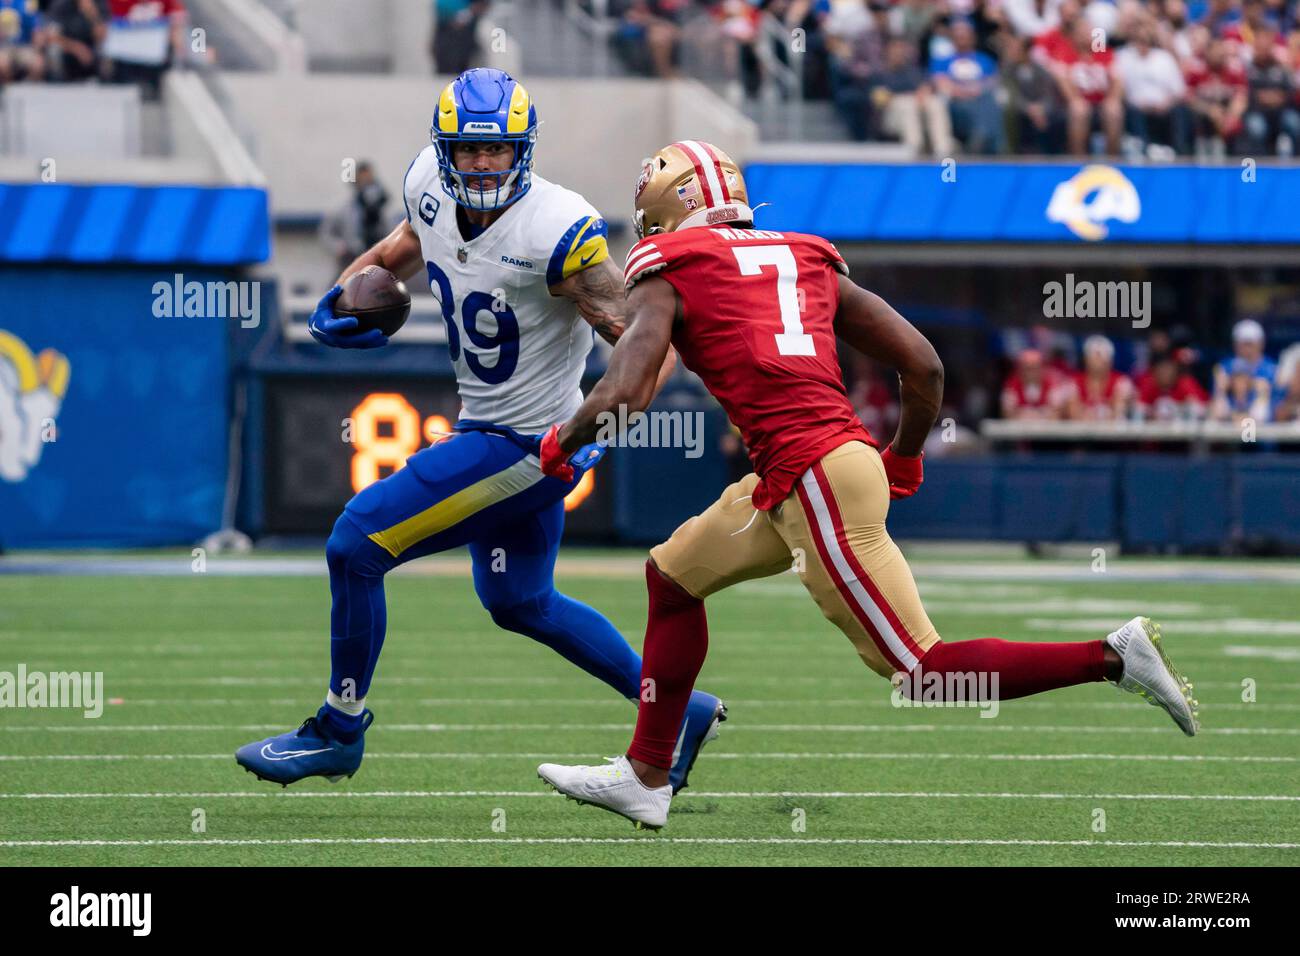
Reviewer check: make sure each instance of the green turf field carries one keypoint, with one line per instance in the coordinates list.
(197, 664)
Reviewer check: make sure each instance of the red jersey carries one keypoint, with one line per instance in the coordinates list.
(1090, 72)
(1099, 399)
(1216, 86)
(1164, 404)
(1041, 396)
(758, 313)
(142, 11)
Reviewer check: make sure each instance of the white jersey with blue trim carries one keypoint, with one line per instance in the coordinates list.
(519, 352)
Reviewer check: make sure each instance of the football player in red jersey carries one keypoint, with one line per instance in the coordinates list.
(756, 314)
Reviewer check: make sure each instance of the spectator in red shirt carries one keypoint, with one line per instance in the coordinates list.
(1255, 19)
(1218, 93)
(143, 38)
(1033, 390)
(1093, 93)
(1166, 392)
(1100, 393)
(874, 403)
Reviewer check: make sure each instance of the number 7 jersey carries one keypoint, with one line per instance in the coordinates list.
(758, 314)
(519, 352)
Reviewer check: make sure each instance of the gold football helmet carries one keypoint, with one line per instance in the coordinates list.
(689, 183)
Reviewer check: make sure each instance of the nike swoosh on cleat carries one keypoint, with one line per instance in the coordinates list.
(270, 754)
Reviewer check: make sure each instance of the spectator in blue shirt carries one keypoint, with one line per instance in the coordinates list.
(1254, 372)
(20, 56)
(967, 79)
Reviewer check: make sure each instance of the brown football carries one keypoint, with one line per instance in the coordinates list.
(377, 298)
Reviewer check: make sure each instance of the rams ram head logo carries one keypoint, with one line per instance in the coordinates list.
(1086, 201)
(31, 393)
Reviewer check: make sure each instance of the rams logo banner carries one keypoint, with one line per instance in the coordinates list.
(1085, 202)
(31, 393)
(1031, 202)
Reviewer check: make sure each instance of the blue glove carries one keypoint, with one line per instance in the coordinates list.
(340, 332)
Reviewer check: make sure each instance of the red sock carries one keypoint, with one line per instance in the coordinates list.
(676, 641)
(1023, 668)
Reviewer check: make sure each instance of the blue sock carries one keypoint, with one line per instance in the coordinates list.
(358, 619)
(343, 727)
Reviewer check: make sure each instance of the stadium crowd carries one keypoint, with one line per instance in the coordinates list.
(1050, 375)
(1163, 384)
(1156, 77)
(64, 41)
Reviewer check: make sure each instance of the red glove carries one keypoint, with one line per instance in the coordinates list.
(554, 461)
(905, 474)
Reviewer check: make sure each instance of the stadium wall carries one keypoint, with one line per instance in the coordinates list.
(114, 359)
(131, 447)
(305, 126)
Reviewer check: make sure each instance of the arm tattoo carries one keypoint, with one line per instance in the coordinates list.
(598, 292)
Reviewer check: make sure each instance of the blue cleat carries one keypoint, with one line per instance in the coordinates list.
(309, 751)
(703, 714)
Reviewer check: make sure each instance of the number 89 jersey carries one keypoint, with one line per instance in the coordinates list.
(519, 352)
(758, 328)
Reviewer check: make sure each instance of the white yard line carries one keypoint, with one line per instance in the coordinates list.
(653, 841)
(712, 755)
(1285, 655)
(981, 726)
(1248, 626)
(614, 703)
(692, 794)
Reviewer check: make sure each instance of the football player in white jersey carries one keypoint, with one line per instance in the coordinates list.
(521, 269)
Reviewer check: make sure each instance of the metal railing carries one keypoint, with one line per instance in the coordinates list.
(1199, 432)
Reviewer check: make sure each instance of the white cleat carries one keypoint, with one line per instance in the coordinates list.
(1149, 673)
(616, 787)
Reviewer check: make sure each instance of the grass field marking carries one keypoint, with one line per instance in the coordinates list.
(614, 702)
(1249, 626)
(749, 728)
(227, 681)
(652, 841)
(1279, 655)
(713, 755)
(713, 794)
(713, 680)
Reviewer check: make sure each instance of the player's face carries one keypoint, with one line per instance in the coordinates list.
(482, 158)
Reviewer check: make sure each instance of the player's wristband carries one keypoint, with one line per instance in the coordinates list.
(905, 474)
(555, 462)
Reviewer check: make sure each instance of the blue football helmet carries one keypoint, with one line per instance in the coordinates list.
(485, 105)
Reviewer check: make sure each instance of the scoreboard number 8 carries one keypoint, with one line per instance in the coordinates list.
(386, 431)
